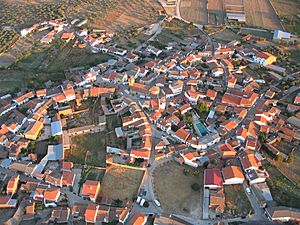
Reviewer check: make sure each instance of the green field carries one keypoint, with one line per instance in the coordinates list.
(89, 149)
(284, 192)
(295, 55)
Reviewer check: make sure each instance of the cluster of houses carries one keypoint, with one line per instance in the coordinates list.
(194, 105)
(56, 26)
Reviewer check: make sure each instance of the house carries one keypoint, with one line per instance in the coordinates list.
(283, 214)
(131, 57)
(51, 196)
(264, 58)
(124, 216)
(56, 128)
(232, 175)
(213, 179)
(68, 36)
(33, 131)
(91, 213)
(41, 93)
(91, 189)
(279, 35)
(249, 160)
(182, 135)
(138, 219)
(69, 94)
(297, 99)
(216, 203)
(67, 166)
(60, 215)
(190, 158)
(12, 186)
(226, 151)
(256, 176)
(7, 202)
(24, 98)
(153, 50)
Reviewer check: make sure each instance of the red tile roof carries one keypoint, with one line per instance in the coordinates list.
(213, 177)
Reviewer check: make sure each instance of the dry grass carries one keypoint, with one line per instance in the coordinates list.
(194, 10)
(173, 189)
(115, 14)
(121, 183)
(89, 149)
(260, 13)
(292, 169)
(226, 35)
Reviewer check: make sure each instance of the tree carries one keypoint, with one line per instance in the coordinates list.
(203, 107)
(195, 187)
(205, 165)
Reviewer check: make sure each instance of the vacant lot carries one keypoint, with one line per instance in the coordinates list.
(13, 80)
(173, 189)
(73, 57)
(236, 201)
(95, 174)
(226, 35)
(260, 13)
(216, 12)
(112, 122)
(177, 31)
(295, 55)
(194, 10)
(284, 192)
(292, 169)
(89, 149)
(259, 33)
(121, 183)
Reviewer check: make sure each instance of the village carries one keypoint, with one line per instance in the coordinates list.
(195, 131)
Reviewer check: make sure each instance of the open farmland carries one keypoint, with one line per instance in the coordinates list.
(182, 199)
(216, 12)
(121, 183)
(288, 11)
(260, 13)
(194, 10)
(115, 14)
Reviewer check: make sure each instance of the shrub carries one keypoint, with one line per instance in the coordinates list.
(196, 172)
(279, 158)
(195, 187)
(186, 172)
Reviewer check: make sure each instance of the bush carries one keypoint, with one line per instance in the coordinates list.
(279, 158)
(195, 187)
(186, 172)
(196, 172)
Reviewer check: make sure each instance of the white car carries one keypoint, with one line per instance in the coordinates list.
(157, 203)
(248, 190)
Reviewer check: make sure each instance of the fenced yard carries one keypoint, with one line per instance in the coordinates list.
(89, 149)
(173, 189)
(121, 183)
